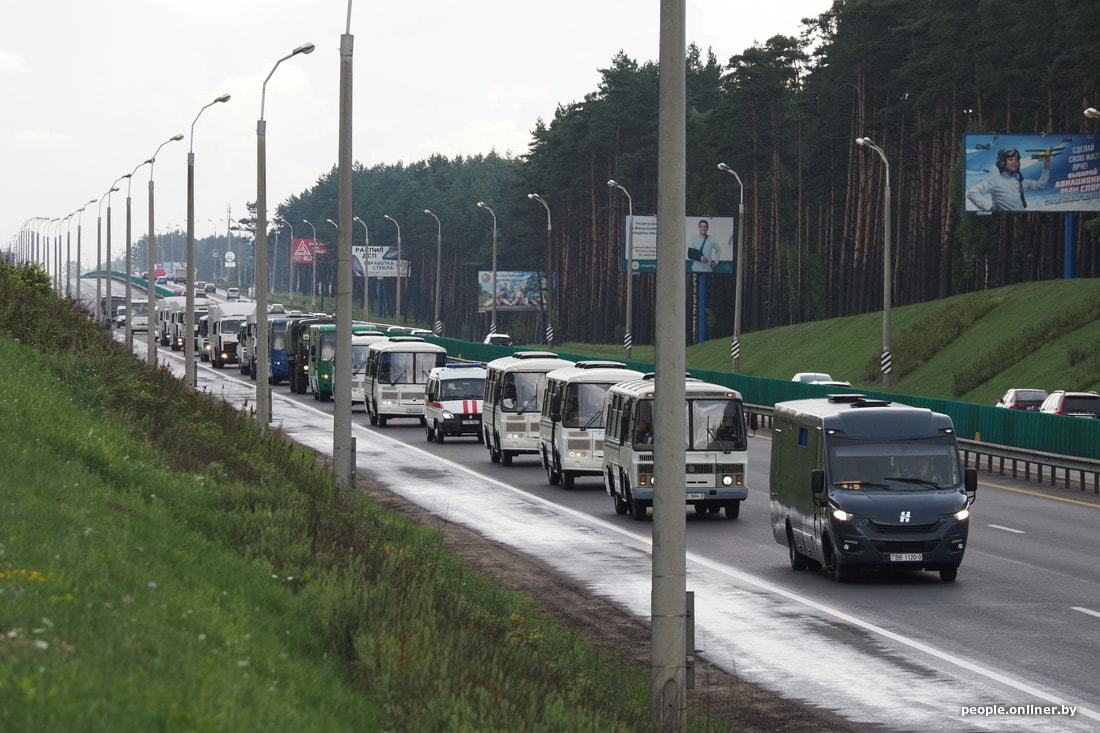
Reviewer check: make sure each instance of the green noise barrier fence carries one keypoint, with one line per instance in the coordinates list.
(1027, 430)
(162, 292)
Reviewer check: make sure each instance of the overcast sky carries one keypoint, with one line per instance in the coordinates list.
(90, 89)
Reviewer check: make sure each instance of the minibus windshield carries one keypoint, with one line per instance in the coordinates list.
(521, 391)
(582, 405)
(461, 389)
(914, 463)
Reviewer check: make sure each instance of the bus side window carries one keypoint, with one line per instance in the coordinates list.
(624, 423)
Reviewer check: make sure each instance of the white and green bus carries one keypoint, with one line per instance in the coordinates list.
(715, 441)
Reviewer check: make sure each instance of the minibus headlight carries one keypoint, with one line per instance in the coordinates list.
(727, 480)
(448, 415)
(387, 403)
(962, 514)
(644, 479)
(841, 515)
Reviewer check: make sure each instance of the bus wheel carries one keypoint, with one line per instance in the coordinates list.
(506, 457)
(480, 437)
(429, 435)
(621, 505)
(842, 572)
(798, 560)
(949, 573)
(733, 509)
(439, 437)
(638, 510)
(423, 421)
(494, 453)
(552, 475)
(381, 421)
(372, 418)
(714, 508)
(567, 480)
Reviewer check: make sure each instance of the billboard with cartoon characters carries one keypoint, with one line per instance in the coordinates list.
(517, 290)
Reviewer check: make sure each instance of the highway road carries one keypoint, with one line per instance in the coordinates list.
(905, 651)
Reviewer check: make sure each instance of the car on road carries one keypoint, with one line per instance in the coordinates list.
(811, 377)
(498, 339)
(864, 483)
(452, 401)
(211, 288)
(1073, 404)
(232, 293)
(1022, 399)
(120, 316)
(162, 280)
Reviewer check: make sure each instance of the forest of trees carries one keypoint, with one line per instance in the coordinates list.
(785, 113)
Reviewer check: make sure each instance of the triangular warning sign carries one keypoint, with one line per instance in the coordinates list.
(302, 250)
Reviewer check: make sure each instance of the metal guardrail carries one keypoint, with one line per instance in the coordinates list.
(1030, 465)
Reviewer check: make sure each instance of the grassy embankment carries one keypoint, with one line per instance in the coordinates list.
(969, 347)
(163, 566)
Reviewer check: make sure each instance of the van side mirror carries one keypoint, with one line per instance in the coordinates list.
(970, 481)
(555, 415)
(817, 482)
(754, 421)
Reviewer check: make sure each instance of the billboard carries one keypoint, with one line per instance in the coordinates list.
(1051, 172)
(381, 260)
(710, 244)
(301, 250)
(517, 290)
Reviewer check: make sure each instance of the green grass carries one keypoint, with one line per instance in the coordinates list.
(971, 347)
(162, 566)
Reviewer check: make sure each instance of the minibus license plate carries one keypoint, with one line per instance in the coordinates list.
(906, 557)
(695, 495)
(469, 422)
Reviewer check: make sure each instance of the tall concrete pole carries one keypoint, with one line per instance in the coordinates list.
(290, 286)
(669, 671)
(190, 370)
(79, 265)
(886, 358)
(546, 282)
(151, 262)
(99, 265)
(493, 297)
(69, 256)
(259, 266)
(628, 336)
(366, 269)
(313, 257)
(438, 324)
(342, 457)
(735, 345)
(397, 310)
(130, 253)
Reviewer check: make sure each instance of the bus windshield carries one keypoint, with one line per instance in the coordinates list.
(582, 405)
(710, 425)
(140, 308)
(408, 367)
(328, 346)
(521, 391)
(278, 336)
(229, 326)
(461, 389)
(359, 358)
(916, 463)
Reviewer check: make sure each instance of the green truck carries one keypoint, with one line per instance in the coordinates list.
(322, 355)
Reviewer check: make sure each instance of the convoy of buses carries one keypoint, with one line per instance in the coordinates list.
(853, 482)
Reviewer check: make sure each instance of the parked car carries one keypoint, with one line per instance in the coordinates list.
(1022, 399)
(498, 339)
(1074, 404)
(811, 377)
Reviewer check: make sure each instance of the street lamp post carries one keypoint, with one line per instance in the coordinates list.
(735, 345)
(628, 338)
(313, 259)
(150, 332)
(54, 247)
(343, 453)
(100, 285)
(546, 282)
(129, 254)
(438, 268)
(190, 371)
(79, 215)
(69, 255)
(493, 296)
(366, 269)
(110, 269)
(290, 268)
(397, 310)
(886, 357)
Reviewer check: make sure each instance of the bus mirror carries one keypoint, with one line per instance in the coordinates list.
(555, 416)
(754, 421)
(970, 481)
(817, 482)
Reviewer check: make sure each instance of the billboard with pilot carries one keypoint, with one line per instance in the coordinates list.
(1029, 173)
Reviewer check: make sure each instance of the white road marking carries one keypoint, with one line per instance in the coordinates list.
(991, 674)
(1007, 529)
(1089, 611)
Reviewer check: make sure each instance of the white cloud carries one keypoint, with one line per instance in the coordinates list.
(12, 64)
(39, 139)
